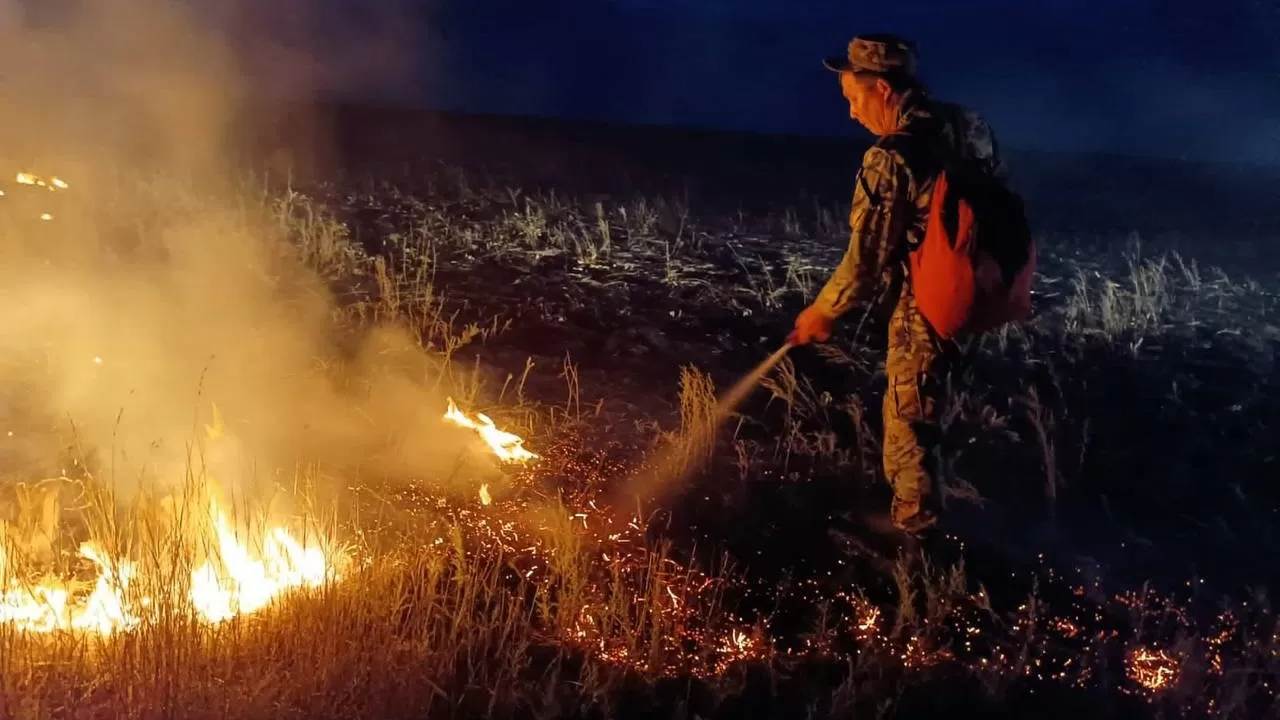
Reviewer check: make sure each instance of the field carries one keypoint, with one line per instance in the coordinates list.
(1111, 495)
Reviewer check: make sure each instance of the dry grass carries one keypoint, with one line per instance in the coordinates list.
(698, 417)
(423, 619)
(414, 633)
(430, 620)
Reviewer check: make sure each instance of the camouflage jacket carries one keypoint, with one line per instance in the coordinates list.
(892, 193)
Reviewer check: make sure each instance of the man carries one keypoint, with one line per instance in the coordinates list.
(916, 139)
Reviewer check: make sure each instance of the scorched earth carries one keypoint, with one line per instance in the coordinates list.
(578, 343)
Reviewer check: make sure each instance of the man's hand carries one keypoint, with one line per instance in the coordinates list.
(812, 324)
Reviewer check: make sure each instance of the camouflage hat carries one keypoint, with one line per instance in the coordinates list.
(879, 53)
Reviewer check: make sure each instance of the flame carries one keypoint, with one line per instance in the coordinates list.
(52, 183)
(45, 607)
(237, 581)
(507, 446)
(248, 583)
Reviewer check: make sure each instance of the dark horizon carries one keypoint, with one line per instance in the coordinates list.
(1146, 78)
(1135, 80)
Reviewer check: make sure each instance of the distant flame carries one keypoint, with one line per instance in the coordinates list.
(507, 446)
(53, 183)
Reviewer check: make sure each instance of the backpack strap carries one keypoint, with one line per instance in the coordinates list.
(914, 150)
(924, 157)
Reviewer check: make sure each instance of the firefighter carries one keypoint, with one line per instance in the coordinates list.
(916, 138)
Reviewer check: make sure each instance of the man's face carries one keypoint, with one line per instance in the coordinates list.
(869, 102)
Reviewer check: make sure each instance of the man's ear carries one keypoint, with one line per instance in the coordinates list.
(884, 89)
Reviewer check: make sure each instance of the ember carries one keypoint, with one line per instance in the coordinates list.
(1154, 670)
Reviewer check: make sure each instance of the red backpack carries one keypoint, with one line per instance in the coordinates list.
(973, 270)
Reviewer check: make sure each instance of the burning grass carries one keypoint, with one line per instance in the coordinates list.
(528, 587)
(237, 577)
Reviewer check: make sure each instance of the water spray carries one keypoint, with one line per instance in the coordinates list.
(674, 466)
(730, 401)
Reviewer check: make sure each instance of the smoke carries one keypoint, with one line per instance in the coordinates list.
(159, 309)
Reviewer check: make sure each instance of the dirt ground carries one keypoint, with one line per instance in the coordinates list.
(1111, 504)
(1117, 445)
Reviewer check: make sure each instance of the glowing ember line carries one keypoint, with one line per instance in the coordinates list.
(1153, 670)
(508, 447)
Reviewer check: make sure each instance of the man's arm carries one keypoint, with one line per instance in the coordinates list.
(877, 223)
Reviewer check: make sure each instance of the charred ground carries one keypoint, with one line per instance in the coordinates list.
(1118, 443)
(1145, 361)
(1112, 466)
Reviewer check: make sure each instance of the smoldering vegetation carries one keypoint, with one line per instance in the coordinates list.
(181, 319)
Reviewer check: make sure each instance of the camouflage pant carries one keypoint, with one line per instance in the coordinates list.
(916, 366)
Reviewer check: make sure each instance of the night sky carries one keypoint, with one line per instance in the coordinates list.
(1176, 79)
(1197, 80)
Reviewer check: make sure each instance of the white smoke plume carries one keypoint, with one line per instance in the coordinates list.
(156, 290)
